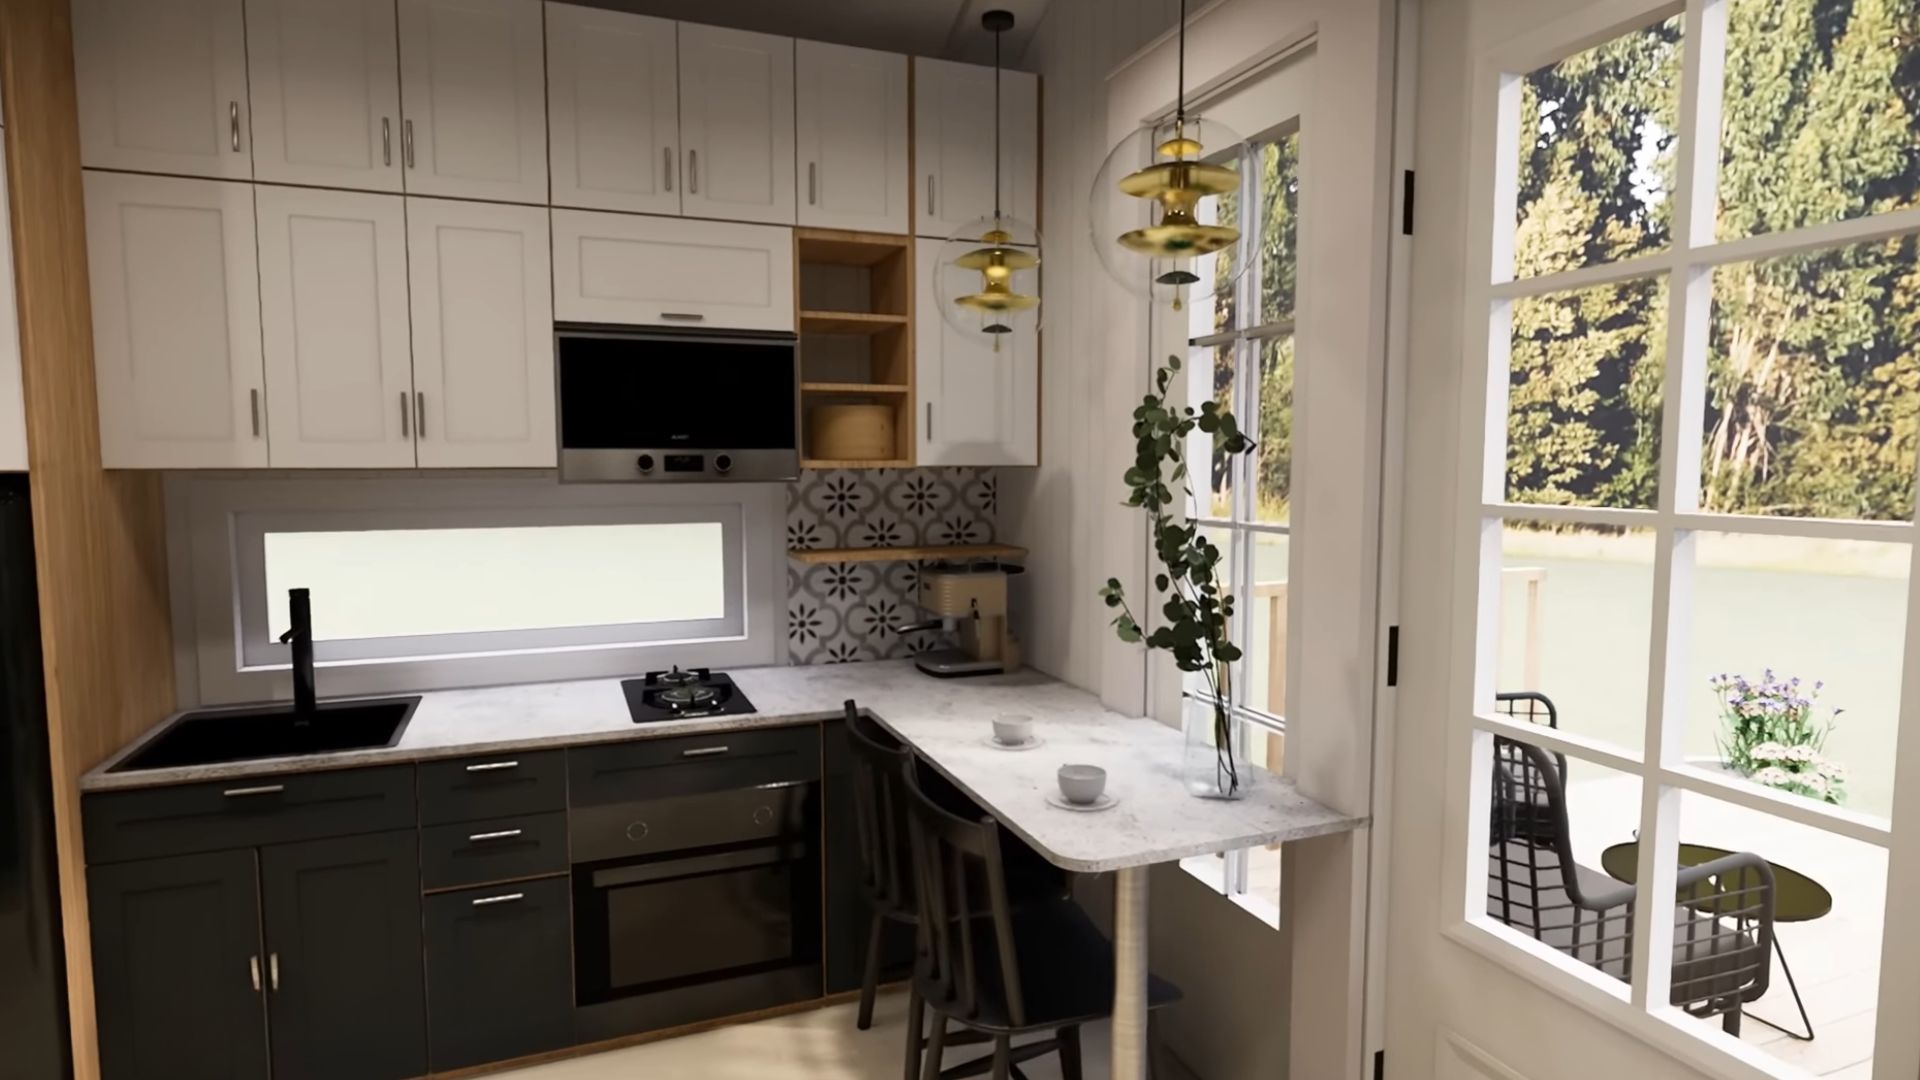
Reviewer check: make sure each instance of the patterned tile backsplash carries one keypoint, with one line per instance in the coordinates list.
(840, 612)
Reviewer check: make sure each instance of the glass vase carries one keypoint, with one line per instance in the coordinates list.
(1215, 764)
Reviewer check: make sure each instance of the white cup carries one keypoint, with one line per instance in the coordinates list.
(1012, 729)
(1082, 784)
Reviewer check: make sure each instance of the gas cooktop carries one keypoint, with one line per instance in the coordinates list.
(683, 695)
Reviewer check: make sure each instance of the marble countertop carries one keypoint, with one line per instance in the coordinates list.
(947, 721)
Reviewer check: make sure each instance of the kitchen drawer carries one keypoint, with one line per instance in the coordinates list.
(654, 271)
(692, 764)
(499, 973)
(498, 849)
(246, 812)
(497, 785)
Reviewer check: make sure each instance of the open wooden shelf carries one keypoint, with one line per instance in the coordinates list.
(843, 247)
(854, 388)
(848, 322)
(908, 554)
(855, 463)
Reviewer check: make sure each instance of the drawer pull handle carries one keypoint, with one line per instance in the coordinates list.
(273, 972)
(704, 751)
(504, 898)
(683, 316)
(253, 969)
(490, 766)
(262, 789)
(503, 834)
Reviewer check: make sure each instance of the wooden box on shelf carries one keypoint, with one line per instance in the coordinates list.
(856, 348)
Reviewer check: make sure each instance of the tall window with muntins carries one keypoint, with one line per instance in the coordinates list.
(1694, 539)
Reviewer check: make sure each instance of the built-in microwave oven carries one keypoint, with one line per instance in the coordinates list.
(651, 404)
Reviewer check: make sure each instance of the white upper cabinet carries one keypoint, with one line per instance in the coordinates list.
(176, 322)
(613, 107)
(978, 406)
(333, 313)
(482, 335)
(325, 78)
(619, 268)
(163, 86)
(953, 143)
(850, 110)
(736, 124)
(473, 95)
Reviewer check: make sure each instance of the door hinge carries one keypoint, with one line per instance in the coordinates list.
(1406, 203)
(1393, 656)
(1379, 1065)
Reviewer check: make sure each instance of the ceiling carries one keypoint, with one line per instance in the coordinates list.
(949, 29)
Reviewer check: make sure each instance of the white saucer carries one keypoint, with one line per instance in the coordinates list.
(1104, 802)
(1013, 747)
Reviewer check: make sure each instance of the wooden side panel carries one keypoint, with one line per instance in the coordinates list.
(99, 537)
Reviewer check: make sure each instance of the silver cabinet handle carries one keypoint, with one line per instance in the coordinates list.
(683, 316)
(253, 969)
(693, 172)
(233, 125)
(929, 421)
(386, 140)
(666, 164)
(420, 414)
(503, 834)
(504, 898)
(262, 789)
(406, 417)
(930, 194)
(491, 766)
(813, 183)
(253, 408)
(705, 751)
(273, 971)
(406, 141)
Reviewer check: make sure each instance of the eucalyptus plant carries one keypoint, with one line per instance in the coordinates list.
(1197, 612)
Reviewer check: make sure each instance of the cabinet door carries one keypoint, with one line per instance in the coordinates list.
(736, 123)
(162, 86)
(499, 972)
(345, 980)
(333, 314)
(618, 268)
(474, 94)
(953, 144)
(482, 288)
(325, 78)
(977, 406)
(178, 971)
(850, 109)
(613, 103)
(13, 405)
(176, 322)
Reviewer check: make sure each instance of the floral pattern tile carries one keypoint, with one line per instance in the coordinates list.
(842, 612)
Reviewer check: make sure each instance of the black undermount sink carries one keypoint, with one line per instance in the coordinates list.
(211, 736)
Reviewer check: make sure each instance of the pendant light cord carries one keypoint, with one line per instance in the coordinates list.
(996, 124)
(1180, 105)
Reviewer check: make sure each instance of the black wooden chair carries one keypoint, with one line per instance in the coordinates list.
(995, 969)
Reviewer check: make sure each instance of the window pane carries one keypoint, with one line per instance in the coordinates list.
(1279, 226)
(1814, 385)
(407, 582)
(1265, 617)
(1210, 376)
(1273, 458)
(1583, 400)
(1812, 84)
(1793, 677)
(1576, 621)
(1217, 294)
(1596, 153)
(1195, 683)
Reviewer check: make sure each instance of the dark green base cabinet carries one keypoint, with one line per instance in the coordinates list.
(499, 977)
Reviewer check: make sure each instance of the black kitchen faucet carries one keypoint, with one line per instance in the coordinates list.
(300, 636)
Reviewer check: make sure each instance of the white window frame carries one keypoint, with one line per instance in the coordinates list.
(225, 653)
(1687, 263)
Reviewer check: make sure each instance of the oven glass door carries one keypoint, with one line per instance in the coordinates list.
(626, 391)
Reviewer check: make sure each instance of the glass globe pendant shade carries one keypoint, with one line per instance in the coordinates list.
(1165, 211)
(987, 277)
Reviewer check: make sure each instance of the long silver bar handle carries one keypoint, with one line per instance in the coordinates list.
(930, 202)
(503, 834)
(704, 751)
(253, 969)
(260, 789)
(420, 414)
(273, 972)
(504, 898)
(233, 125)
(813, 183)
(386, 140)
(490, 766)
(253, 409)
(693, 172)
(683, 316)
(406, 417)
(406, 141)
(929, 421)
(666, 164)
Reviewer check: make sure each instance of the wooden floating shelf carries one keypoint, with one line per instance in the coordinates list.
(841, 247)
(855, 463)
(908, 554)
(854, 388)
(848, 322)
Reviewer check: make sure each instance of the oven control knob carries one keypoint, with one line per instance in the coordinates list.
(637, 831)
(644, 463)
(723, 463)
(763, 815)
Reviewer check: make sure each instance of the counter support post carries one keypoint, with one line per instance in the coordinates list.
(1130, 973)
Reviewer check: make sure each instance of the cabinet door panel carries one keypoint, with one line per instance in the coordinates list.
(176, 322)
(482, 289)
(162, 86)
(176, 952)
(499, 972)
(977, 406)
(613, 101)
(325, 78)
(333, 306)
(473, 89)
(851, 116)
(345, 993)
(953, 144)
(618, 268)
(736, 122)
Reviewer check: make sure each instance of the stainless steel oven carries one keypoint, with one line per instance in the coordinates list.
(641, 404)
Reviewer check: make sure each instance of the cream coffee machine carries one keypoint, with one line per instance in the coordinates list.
(968, 599)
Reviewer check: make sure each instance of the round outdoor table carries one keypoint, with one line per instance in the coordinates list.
(1796, 898)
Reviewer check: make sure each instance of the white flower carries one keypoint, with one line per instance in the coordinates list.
(1800, 753)
(1815, 781)
(1832, 770)
(1767, 751)
(1772, 777)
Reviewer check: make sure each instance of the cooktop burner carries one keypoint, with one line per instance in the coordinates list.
(683, 695)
